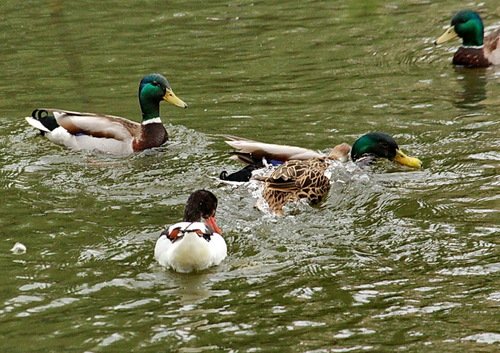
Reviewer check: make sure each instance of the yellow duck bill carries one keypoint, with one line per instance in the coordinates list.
(173, 99)
(408, 161)
(446, 36)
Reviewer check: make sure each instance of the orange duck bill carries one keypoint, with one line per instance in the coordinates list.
(210, 221)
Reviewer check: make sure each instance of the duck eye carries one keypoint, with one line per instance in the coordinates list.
(155, 83)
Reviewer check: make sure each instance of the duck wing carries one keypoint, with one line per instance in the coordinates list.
(296, 175)
(96, 125)
(492, 47)
(249, 150)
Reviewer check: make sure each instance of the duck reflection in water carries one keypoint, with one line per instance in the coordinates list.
(473, 84)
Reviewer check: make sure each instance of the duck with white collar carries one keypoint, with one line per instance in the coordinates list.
(196, 243)
(107, 133)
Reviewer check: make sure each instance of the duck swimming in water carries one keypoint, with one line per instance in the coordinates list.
(196, 243)
(302, 175)
(107, 133)
(365, 150)
(476, 50)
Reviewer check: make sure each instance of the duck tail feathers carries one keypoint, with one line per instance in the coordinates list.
(242, 175)
(43, 120)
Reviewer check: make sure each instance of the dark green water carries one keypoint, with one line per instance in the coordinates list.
(394, 260)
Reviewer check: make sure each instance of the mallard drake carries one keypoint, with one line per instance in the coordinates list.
(476, 50)
(369, 147)
(196, 243)
(306, 178)
(107, 133)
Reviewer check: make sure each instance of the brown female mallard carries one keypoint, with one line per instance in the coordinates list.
(295, 180)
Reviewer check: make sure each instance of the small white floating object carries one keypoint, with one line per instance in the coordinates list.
(18, 248)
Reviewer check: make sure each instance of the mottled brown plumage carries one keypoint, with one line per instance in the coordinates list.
(295, 180)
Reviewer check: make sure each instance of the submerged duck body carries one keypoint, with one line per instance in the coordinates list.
(306, 178)
(108, 133)
(476, 50)
(196, 243)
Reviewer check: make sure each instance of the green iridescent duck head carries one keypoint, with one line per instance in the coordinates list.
(379, 145)
(153, 89)
(466, 24)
